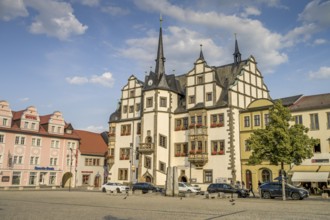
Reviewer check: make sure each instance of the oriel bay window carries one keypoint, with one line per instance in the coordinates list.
(196, 121)
(181, 149)
(124, 153)
(198, 147)
(217, 120)
(218, 147)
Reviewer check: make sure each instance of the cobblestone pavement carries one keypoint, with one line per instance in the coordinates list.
(96, 205)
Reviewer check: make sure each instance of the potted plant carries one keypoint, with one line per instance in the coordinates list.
(213, 125)
(220, 124)
(198, 151)
(221, 152)
(214, 153)
(177, 154)
(183, 154)
(191, 125)
(192, 152)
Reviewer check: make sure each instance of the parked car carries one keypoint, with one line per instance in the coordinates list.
(227, 188)
(274, 189)
(118, 187)
(187, 187)
(146, 187)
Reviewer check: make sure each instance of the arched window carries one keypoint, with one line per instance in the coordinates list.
(266, 176)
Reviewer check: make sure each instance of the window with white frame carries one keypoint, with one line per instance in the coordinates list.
(298, 119)
(162, 141)
(55, 144)
(33, 125)
(19, 140)
(16, 180)
(314, 121)
(53, 161)
(71, 145)
(4, 121)
(246, 121)
(36, 142)
(18, 159)
(33, 178)
(208, 176)
(26, 124)
(257, 120)
(2, 138)
(34, 160)
(266, 119)
(52, 178)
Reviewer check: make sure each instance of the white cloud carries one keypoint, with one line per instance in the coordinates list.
(317, 12)
(10, 9)
(77, 80)
(266, 46)
(55, 19)
(96, 129)
(26, 99)
(115, 11)
(320, 41)
(90, 2)
(106, 80)
(322, 73)
(250, 11)
(178, 42)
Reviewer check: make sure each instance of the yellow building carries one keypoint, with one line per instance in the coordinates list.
(256, 116)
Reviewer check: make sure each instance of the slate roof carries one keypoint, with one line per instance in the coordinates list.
(312, 102)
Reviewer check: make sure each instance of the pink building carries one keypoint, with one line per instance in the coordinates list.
(36, 150)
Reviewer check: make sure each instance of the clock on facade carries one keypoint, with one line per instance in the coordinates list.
(150, 82)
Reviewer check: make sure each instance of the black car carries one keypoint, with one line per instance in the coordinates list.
(146, 187)
(274, 189)
(227, 188)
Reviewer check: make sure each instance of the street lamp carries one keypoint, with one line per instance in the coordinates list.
(70, 168)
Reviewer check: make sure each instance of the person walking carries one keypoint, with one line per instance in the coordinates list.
(251, 189)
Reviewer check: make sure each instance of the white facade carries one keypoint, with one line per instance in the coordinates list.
(189, 121)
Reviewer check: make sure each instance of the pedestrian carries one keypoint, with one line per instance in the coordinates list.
(251, 189)
(243, 185)
(259, 183)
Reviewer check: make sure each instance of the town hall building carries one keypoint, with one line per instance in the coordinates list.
(188, 121)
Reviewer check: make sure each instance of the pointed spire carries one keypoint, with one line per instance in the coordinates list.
(160, 67)
(237, 54)
(201, 56)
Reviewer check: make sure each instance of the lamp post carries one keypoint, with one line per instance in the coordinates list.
(70, 169)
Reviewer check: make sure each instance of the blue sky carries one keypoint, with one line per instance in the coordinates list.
(75, 56)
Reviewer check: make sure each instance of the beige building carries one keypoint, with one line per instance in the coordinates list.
(314, 113)
(190, 121)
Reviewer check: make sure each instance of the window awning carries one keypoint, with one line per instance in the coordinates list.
(310, 177)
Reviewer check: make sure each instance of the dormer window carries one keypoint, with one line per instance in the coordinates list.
(4, 121)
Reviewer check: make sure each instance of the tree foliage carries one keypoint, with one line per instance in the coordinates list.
(280, 142)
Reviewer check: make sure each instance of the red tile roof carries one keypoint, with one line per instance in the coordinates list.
(91, 143)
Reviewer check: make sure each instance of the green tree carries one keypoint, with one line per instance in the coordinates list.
(280, 142)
